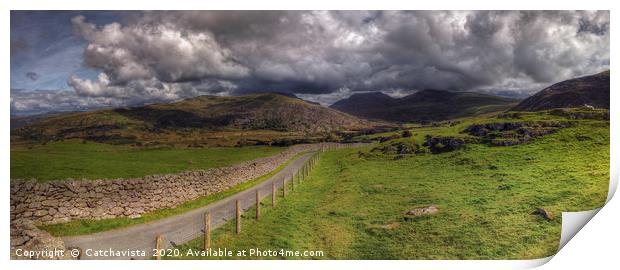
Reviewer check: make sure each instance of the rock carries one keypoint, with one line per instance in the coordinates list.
(441, 144)
(117, 211)
(423, 211)
(98, 211)
(134, 216)
(544, 213)
(18, 241)
(510, 133)
(35, 205)
(75, 212)
(40, 213)
(51, 203)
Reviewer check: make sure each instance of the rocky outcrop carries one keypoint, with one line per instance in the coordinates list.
(441, 144)
(399, 149)
(62, 201)
(513, 133)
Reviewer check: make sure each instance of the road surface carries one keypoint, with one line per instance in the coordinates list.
(180, 228)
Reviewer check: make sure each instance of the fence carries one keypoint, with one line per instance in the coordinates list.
(260, 192)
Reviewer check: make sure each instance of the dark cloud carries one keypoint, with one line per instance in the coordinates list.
(323, 55)
(32, 75)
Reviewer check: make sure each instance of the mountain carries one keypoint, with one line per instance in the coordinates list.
(364, 104)
(426, 105)
(590, 90)
(267, 112)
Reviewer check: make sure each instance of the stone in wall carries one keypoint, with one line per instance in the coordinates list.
(26, 239)
(65, 200)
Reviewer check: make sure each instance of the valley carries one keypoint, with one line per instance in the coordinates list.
(435, 175)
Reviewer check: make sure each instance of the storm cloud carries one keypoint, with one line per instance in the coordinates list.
(327, 55)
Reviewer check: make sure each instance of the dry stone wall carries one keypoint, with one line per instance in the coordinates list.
(65, 200)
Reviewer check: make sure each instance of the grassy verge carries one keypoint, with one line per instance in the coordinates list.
(352, 207)
(80, 227)
(74, 159)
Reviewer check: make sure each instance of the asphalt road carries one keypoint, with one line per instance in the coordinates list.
(181, 228)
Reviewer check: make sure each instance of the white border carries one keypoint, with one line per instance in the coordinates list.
(594, 246)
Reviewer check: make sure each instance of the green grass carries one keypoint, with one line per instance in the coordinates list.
(73, 159)
(80, 227)
(353, 208)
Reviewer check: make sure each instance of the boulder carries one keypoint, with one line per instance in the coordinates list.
(544, 213)
(423, 211)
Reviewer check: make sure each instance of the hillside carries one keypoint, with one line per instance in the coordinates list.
(426, 105)
(257, 118)
(361, 203)
(590, 90)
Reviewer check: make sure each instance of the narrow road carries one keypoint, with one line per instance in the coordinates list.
(181, 228)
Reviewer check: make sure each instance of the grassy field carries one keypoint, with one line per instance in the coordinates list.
(353, 205)
(80, 227)
(90, 160)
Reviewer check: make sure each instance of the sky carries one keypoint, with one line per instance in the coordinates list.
(82, 60)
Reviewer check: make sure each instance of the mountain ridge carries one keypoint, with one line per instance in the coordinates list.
(259, 113)
(592, 90)
(425, 105)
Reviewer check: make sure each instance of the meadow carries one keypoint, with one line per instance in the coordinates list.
(91, 160)
(353, 204)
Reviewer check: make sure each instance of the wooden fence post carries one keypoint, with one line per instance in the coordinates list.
(158, 246)
(257, 205)
(238, 215)
(292, 183)
(273, 194)
(207, 244)
(283, 187)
